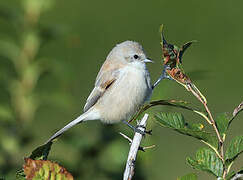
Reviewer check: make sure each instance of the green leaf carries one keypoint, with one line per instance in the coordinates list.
(222, 121)
(41, 152)
(20, 175)
(176, 122)
(190, 176)
(171, 120)
(234, 149)
(44, 169)
(172, 102)
(207, 160)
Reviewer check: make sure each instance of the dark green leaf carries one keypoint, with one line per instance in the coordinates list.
(176, 122)
(20, 175)
(207, 160)
(41, 152)
(234, 149)
(190, 176)
(173, 103)
(201, 135)
(171, 120)
(184, 48)
(222, 121)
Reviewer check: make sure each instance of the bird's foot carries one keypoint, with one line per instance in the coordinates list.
(149, 132)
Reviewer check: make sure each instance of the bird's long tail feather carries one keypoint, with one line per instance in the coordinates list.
(78, 120)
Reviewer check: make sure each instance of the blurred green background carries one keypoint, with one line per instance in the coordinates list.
(51, 51)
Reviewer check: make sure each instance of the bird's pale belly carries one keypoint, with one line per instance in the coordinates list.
(133, 91)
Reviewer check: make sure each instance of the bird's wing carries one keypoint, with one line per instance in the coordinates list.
(105, 78)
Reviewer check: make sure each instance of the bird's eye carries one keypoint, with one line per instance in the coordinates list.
(135, 56)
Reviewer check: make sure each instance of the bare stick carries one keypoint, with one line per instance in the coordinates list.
(237, 176)
(130, 166)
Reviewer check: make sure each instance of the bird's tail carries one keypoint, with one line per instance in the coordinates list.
(83, 117)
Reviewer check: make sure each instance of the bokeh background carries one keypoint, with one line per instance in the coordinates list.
(51, 51)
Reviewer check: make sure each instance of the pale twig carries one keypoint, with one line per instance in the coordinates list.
(126, 137)
(135, 144)
(237, 176)
(142, 148)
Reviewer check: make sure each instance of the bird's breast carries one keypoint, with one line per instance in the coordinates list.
(126, 95)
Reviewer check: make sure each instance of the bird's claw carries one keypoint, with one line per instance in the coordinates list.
(143, 132)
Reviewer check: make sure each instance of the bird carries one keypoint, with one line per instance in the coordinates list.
(122, 86)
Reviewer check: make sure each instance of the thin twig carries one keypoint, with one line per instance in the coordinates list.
(126, 137)
(216, 130)
(141, 148)
(212, 147)
(221, 142)
(237, 176)
(130, 165)
(192, 88)
(164, 75)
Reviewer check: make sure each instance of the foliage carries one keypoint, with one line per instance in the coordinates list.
(207, 160)
(213, 159)
(23, 67)
(41, 169)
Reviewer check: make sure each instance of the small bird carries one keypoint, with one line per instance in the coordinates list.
(121, 87)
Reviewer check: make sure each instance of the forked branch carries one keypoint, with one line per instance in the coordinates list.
(135, 144)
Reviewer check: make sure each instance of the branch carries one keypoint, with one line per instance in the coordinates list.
(135, 144)
(237, 177)
(164, 75)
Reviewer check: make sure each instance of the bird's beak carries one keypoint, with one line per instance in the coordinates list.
(147, 60)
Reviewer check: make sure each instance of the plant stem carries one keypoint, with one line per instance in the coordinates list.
(221, 142)
(192, 88)
(216, 130)
(135, 144)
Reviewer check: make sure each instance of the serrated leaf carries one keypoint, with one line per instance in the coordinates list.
(234, 149)
(222, 121)
(171, 120)
(207, 160)
(176, 122)
(44, 169)
(41, 152)
(190, 176)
